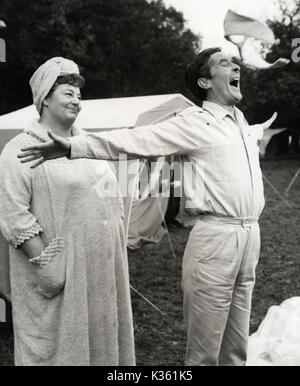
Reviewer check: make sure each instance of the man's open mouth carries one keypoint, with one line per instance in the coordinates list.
(235, 83)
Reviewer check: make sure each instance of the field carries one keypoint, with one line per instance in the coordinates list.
(160, 337)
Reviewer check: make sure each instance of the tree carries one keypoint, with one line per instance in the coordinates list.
(124, 48)
(279, 89)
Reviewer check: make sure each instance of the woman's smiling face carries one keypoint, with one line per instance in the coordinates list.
(64, 104)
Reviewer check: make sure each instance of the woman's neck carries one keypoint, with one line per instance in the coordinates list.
(59, 128)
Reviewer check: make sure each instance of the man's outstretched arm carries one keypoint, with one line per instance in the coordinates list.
(177, 135)
(58, 147)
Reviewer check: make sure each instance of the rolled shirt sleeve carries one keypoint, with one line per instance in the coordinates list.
(173, 136)
(17, 222)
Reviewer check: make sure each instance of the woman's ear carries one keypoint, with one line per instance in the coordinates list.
(204, 83)
(45, 102)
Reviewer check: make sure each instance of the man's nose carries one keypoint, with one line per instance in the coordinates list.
(236, 67)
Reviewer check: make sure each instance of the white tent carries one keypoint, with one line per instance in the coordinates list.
(109, 114)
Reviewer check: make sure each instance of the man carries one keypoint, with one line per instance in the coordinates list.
(223, 248)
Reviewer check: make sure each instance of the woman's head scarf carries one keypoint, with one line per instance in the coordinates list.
(45, 76)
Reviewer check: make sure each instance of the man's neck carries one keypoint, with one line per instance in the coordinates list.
(57, 127)
(230, 108)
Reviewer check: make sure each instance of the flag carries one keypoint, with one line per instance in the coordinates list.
(235, 24)
(252, 36)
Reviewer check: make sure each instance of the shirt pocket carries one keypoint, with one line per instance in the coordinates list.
(225, 160)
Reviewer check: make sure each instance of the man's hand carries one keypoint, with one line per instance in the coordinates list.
(269, 122)
(58, 147)
(260, 128)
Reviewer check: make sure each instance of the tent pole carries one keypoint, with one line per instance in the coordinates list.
(276, 191)
(168, 233)
(291, 183)
(148, 301)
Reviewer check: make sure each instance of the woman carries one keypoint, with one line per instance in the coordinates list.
(68, 262)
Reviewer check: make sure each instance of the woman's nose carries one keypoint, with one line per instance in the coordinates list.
(76, 100)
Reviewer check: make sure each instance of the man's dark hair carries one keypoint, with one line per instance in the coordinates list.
(199, 68)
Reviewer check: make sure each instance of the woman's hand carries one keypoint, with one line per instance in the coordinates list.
(33, 247)
(58, 147)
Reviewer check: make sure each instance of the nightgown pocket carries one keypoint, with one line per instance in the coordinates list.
(50, 269)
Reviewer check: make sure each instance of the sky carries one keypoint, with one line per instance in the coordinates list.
(206, 17)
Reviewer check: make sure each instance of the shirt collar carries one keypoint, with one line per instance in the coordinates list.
(220, 112)
(40, 132)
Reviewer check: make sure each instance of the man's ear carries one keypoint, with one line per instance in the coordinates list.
(204, 83)
(45, 102)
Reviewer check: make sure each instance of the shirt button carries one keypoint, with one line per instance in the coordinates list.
(105, 222)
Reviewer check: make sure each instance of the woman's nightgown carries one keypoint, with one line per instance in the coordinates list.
(71, 305)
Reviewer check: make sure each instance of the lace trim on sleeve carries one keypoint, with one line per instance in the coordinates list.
(56, 246)
(26, 235)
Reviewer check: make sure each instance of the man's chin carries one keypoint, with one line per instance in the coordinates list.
(238, 98)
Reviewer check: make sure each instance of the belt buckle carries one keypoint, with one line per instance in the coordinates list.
(245, 224)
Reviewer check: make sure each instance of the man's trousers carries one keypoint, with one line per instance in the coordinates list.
(218, 278)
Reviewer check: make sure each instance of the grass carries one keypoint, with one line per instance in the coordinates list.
(160, 338)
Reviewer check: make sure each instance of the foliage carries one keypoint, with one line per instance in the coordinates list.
(275, 89)
(124, 48)
(266, 91)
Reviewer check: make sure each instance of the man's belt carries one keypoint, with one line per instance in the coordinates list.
(246, 221)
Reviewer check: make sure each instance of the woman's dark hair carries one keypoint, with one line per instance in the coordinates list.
(199, 68)
(75, 80)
